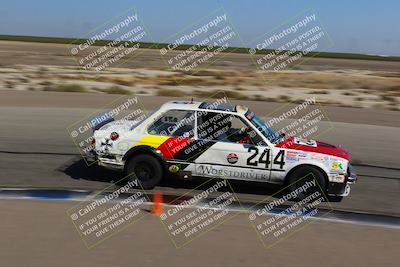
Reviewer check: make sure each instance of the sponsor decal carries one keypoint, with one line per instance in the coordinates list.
(295, 156)
(293, 159)
(244, 175)
(174, 168)
(337, 166)
(319, 157)
(291, 153)
(305, 142)
(106, 144)
(302, 155)
(232, 158)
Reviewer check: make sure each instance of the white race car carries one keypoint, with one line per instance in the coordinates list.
(216, 140)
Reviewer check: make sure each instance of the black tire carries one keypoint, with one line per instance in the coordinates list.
(305, 174)
(335, 198)
(147, 169)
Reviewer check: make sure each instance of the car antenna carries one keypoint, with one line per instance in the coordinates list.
(191, 101)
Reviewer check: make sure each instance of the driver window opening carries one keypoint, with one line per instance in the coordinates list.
(226, 128)
(176, 123)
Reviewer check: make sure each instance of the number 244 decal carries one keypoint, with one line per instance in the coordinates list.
(264, 158)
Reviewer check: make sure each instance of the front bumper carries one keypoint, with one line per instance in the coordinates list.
(352, 175)
(343, 189)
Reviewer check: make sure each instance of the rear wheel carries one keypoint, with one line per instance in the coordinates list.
(308, 178)
(147, 169)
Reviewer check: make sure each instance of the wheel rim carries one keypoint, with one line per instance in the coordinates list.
(310, 190)
(144, 171)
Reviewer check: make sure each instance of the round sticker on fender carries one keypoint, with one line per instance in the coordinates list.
(232, 158)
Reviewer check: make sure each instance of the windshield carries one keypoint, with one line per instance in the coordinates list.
(272, 135)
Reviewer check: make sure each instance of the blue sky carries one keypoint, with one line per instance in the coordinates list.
(362, 26)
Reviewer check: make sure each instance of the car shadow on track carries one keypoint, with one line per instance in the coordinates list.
(239, 187)
(79, 170)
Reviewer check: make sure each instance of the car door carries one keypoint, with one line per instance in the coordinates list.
(172, 134)
(278, 165)
(234, 150)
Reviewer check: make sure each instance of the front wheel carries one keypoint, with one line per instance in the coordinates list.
(335, 198)
(147, 169)
(306, 181)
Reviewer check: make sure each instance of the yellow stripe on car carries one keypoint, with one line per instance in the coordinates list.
(152, 140)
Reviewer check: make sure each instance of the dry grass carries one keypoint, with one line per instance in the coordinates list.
(236, 95)
(388, 98)
(349, 93)
(319, 92)
(115, 90)
(123, 81)
(65, 88)
(170, 92)
(363, 88)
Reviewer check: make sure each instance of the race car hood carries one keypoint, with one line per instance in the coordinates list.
(314, 146)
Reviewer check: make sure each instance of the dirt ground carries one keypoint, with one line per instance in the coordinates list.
(335, 82)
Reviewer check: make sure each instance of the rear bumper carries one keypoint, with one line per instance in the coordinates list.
(107, 162)
(343, 189)
(91, 156)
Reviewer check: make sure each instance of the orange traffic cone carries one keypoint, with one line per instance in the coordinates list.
(157, 204)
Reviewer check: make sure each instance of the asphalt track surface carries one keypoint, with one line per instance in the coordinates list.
(37, 152)
(39, 233)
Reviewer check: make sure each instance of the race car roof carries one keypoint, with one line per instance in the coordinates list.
(182, 104)
(224, 106)
(217, 105)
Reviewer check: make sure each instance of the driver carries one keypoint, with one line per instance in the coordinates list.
(222, 129)
(240, 135)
